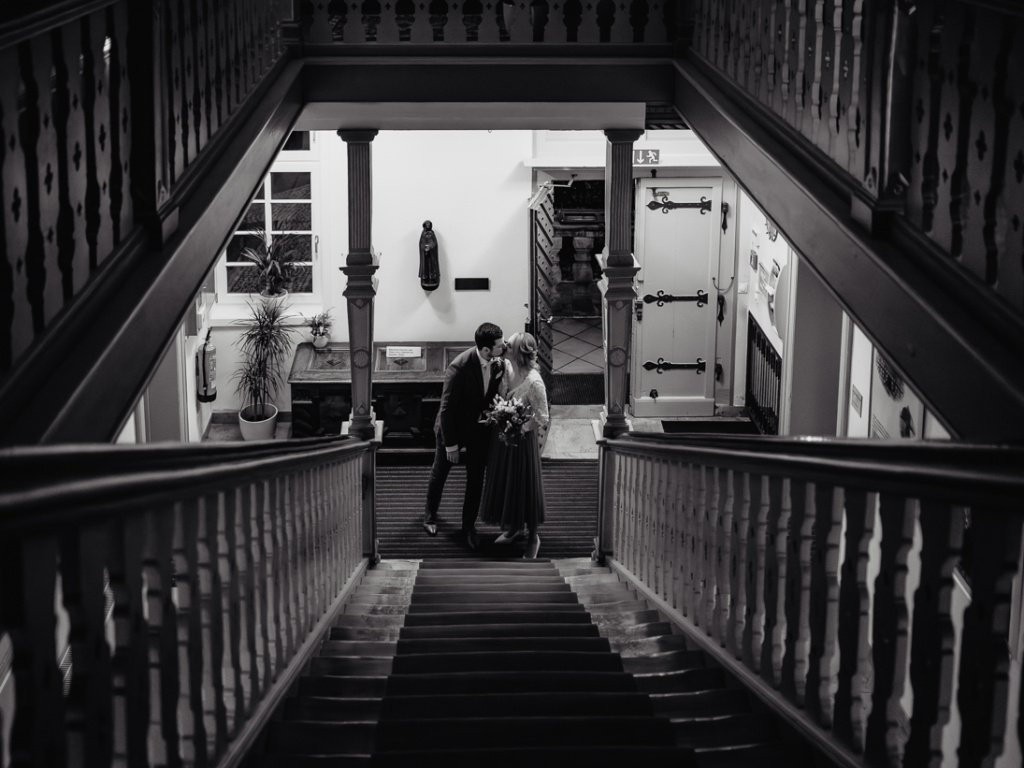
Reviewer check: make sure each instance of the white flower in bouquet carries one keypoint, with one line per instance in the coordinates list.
(509, 417)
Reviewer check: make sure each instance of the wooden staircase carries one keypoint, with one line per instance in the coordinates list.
(513, 662)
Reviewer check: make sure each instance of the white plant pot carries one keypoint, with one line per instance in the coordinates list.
(320, 341)
(257, 430)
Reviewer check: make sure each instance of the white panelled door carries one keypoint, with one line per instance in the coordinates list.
(678, 242)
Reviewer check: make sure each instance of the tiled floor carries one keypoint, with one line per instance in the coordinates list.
(578, 345)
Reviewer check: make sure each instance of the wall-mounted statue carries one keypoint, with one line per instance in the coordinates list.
(430, 271)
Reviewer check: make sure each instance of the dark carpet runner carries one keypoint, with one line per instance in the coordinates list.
(577, 388)
(514, 664)
(570, 495)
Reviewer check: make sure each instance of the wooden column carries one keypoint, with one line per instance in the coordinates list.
(360, 266)
(619, 270)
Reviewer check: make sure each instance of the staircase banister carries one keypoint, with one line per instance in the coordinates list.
(25, 466)
(148, 484)
(912, 470)
(39, 21)
(953, 452)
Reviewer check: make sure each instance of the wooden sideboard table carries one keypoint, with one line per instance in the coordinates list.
(406, 388)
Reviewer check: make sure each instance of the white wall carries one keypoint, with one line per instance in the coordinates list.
(473, 186)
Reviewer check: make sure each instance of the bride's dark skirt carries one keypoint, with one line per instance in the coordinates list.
(514, 490)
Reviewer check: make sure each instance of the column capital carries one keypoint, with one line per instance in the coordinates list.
(358, 135)
(623, 135)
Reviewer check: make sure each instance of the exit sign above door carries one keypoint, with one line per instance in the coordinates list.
(646, 156)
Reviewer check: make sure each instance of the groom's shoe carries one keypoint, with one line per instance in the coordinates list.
(430, 526)
(472, 539)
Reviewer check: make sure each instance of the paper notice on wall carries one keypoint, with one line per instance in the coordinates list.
(393, 352)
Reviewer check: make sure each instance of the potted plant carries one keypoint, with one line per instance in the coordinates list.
(320, 328)
(275, 263)
(265, 344)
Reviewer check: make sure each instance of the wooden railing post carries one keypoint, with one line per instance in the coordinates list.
(604, 544)
(360, 266)
(620, 268)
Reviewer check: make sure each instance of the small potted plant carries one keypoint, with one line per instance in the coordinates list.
(320, 328)
(264, 345)
(275, 262)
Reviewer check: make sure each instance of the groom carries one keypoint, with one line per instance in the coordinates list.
(470, 384)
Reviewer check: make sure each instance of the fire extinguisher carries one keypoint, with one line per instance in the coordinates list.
(206, 371)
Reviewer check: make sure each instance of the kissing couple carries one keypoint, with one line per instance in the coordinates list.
(513, 497)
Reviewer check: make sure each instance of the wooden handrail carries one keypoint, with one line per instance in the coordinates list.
(225, 564)
(761, 550)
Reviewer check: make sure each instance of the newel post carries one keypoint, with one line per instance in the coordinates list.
(360, 266)
(620, 269)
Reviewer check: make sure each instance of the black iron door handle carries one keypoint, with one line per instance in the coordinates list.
(662, 365)
(663, 298)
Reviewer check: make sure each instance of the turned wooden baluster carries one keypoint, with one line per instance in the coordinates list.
(823, 659)
(798, 591)
(726, 565)
(689, 539)
(647, 511)
(618, 505)
(933, 641)
(744, 569)
(28, 568)
(759, 506)
(633, 491)
(661, 539)
(995, 541)
(712, 549)
(677, 486)
(889, 645)
(89, 711)
(232, 602)
(673, 543)
(702, 535)
(209, 540)
(192, 728)
(853, 691)
(129, 665)
(251, 554)
(776, 564)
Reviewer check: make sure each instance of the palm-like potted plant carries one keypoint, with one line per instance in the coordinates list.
(265, 344)
(275, 262)
(320, 328)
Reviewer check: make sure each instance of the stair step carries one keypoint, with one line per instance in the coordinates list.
(510, 567)
(696, 704)
(681, 681)
(568, 614)
(669, 661)
(504, 681)
(502, 644)
(313, 738)
(546, 703)
(432, 579)
(631, 647)
(449, 597)
(370, 634)
(533, 661)
(508, 609)
(471, 733)
(731, 732)
(332, 708)
(776, 755)
(350, 666)
(368, 686)
(367, 621)
(517, 757)
(537, 629)
(311, 761)
(500, 588)
(363, 648)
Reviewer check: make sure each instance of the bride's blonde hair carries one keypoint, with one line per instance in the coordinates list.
(522, 351)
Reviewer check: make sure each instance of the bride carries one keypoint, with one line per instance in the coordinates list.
(514, 493)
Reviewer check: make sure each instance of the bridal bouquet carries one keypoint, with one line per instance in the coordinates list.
(509, 416)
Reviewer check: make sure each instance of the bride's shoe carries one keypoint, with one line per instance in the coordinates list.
(508, 537)
(532, 547)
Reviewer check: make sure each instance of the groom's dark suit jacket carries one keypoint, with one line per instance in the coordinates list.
(463, 401)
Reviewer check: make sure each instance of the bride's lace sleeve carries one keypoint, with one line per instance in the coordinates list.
(503, 388)
(538, 399)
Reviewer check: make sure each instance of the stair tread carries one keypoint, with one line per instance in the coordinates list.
(501, 644)
(506, 681)
(545, 703)
(508, 660)
(533, 629)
